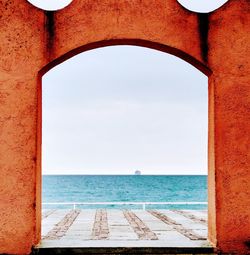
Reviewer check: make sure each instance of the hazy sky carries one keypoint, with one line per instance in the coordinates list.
(117, 109)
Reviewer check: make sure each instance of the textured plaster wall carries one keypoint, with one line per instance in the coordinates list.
(21, 57)
(34, 40)
(229, 50)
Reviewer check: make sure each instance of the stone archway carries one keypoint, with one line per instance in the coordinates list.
(33, 41)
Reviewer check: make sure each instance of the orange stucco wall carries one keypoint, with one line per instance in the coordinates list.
(33, 41)
(229, 60)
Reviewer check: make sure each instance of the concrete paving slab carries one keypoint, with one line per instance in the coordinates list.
(121, 243)
(49, 222)
(152, 222)
(119, 231)
(197, 213)
(184, 221)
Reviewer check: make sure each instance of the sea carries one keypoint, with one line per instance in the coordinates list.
(124, 188)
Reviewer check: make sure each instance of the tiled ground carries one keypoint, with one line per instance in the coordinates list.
(124, 228)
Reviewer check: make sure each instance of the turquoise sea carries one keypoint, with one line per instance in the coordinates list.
(121, 188)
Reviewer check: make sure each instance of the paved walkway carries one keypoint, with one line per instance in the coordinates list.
(124, 228)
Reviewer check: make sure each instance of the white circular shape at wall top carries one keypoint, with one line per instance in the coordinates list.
(202, 6)
(50, 5)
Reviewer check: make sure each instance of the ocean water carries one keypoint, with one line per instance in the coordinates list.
(121, 188)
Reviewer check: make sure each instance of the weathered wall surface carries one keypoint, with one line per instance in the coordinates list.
(229, 51)
(21, 51)
(165, 22)
(32, 38)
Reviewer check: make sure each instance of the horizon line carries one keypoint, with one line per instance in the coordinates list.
(126, 174)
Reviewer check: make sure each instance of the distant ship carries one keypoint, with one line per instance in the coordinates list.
(137, 172)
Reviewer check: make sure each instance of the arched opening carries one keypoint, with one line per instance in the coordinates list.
(149, 96)
(32, 38)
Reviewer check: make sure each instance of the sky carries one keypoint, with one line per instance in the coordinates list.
(118, 109)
